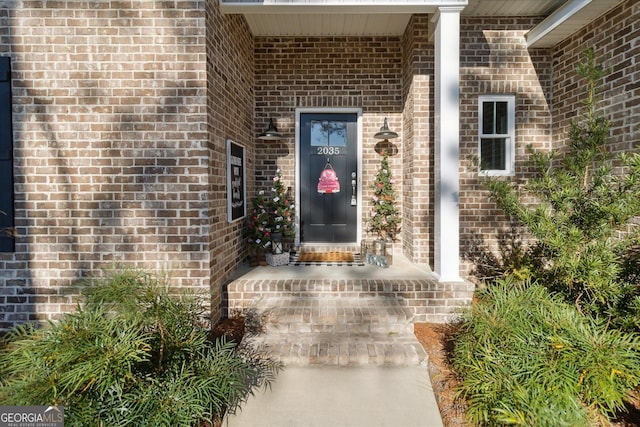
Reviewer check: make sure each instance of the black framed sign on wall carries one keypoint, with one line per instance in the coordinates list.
(236, 186)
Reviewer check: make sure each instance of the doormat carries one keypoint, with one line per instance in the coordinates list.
(326, 258)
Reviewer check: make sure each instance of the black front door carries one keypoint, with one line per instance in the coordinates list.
(328, 142)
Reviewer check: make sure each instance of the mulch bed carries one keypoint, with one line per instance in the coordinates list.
(435, 338)
(232, 329)
(437, 342)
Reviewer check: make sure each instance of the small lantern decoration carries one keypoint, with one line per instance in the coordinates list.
(276, 240)
(328, 182)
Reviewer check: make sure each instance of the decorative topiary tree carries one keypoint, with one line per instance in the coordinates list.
(281, 210)
(258, 230)
(270, 214)
(385, 219)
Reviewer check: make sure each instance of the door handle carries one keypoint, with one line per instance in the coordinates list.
(354, 182)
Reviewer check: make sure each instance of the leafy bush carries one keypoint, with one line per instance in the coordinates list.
(583, 219)
(527, 358)
(514, 256)
(564, 351)
(133, 355)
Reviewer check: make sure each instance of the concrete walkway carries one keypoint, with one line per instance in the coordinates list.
(343, 397)
(350, 362)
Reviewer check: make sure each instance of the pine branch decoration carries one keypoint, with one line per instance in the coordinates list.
(385, 218)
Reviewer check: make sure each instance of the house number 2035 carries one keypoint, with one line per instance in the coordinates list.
(323, 151)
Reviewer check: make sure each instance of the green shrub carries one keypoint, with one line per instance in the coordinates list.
(583, 219)
(527, 358)
(132, 355)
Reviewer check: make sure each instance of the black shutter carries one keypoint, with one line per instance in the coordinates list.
(6, 158)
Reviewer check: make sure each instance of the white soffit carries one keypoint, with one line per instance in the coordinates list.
(512, 7)
(331, 17)
(390, 17)
(566, 20)
(328, 24)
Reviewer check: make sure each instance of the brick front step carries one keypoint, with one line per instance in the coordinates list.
(337, 315)
(341, 349)
(335, 331)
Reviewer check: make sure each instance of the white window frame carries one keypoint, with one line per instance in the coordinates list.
(510, 136)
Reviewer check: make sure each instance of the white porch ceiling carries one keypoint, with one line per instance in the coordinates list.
(511, 7)
(331, 17)
(321, 18)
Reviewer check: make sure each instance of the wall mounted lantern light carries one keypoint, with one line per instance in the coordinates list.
(271, 134)
(384, 146)
(385, 132)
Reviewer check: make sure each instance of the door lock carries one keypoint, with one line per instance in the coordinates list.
(354, 200)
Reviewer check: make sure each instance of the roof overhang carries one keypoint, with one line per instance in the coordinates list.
(332, 17)
(566, 20)
(336, 6)
(319, 18)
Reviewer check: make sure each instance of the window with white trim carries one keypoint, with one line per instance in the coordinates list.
(497, 135)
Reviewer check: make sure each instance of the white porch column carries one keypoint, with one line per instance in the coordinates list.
(447, 140)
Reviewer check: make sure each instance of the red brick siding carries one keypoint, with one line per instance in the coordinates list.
(230, 88)
(122, 111)
(340, 72)
(548, 95)
(495, 60)
(615, 38)
(418, 147)
(119, 153)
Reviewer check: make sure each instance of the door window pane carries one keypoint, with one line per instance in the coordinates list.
(328, 133)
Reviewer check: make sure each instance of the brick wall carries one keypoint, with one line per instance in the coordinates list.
(114, 144)
(230, 87)
(122, 111)
(548, 94)
(417, 147)
(494, 60)
(614, 37)
(327, 72)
